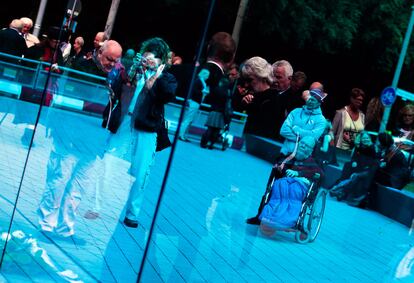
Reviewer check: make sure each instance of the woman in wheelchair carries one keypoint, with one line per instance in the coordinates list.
(287, 188)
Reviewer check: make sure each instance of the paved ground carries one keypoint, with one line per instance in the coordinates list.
(200, 233)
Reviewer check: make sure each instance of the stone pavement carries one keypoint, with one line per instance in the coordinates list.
(200, 233)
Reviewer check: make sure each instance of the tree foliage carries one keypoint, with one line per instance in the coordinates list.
(368, 27)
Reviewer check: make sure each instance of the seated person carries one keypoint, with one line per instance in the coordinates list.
(358, 173)
(405, 128)
(287, 193)
(393, 171)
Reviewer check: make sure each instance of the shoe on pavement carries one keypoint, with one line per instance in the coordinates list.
(184, 139)
(130, 223)
(91, 215)
(253, 220)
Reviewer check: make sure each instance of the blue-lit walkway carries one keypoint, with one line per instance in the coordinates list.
(201, 235)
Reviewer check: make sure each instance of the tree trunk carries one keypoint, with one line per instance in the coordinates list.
(239, 20)
(39, 18)
(111, 18)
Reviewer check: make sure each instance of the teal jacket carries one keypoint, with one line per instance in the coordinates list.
(302, 122)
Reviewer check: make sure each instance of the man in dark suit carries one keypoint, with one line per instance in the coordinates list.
(11, 39)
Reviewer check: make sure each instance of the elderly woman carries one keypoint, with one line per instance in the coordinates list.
(262, 103)
(349, 121)
(288, 192)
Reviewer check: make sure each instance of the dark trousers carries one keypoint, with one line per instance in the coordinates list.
(211, 135)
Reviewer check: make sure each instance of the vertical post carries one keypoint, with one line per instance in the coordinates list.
(111, 18)
(39, 18)
(387, 109)
(239, 20)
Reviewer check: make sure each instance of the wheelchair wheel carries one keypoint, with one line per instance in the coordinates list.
(318, 209)
(312, 219)
(301, 237)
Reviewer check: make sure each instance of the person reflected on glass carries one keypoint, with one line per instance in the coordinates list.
(68, 169)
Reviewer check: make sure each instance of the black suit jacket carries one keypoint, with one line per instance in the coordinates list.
(266, 114)
(12, 42)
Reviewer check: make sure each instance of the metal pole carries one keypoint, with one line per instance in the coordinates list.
(387, 109)
(39, 18)
(174, 144)
(239, 20)
(111, 18)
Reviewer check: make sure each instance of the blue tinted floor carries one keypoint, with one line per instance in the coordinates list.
(200, 234)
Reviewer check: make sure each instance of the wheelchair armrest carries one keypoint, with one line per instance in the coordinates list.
(316, 177)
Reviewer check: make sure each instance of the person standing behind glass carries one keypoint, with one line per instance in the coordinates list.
(349, 121)
(136, 137)
(200, 90)
(220, 56)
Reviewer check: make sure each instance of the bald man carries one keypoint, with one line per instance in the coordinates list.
(98, 42)
(63, 192)
(314, 85)
(107, 57)
(11, 40)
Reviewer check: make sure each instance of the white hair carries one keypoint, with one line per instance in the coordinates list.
(27, 21)
(80, 39)
(258, 67)
(111, 44)
(286, 65)
(16, 24)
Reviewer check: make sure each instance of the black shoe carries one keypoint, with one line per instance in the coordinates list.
(130, 223)
(184, 139)
(253, 220)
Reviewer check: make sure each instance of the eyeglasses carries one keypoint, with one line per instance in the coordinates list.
(408, 115)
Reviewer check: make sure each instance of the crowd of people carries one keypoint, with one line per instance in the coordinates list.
(279, 104)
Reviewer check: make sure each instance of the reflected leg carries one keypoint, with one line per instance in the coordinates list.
(82, 179)
(59, 168)
(189, 115)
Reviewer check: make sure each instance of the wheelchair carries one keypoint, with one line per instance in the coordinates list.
(311, 214)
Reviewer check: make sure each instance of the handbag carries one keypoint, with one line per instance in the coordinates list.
(163, 141)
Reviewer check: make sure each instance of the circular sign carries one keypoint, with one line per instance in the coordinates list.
(388, 96)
